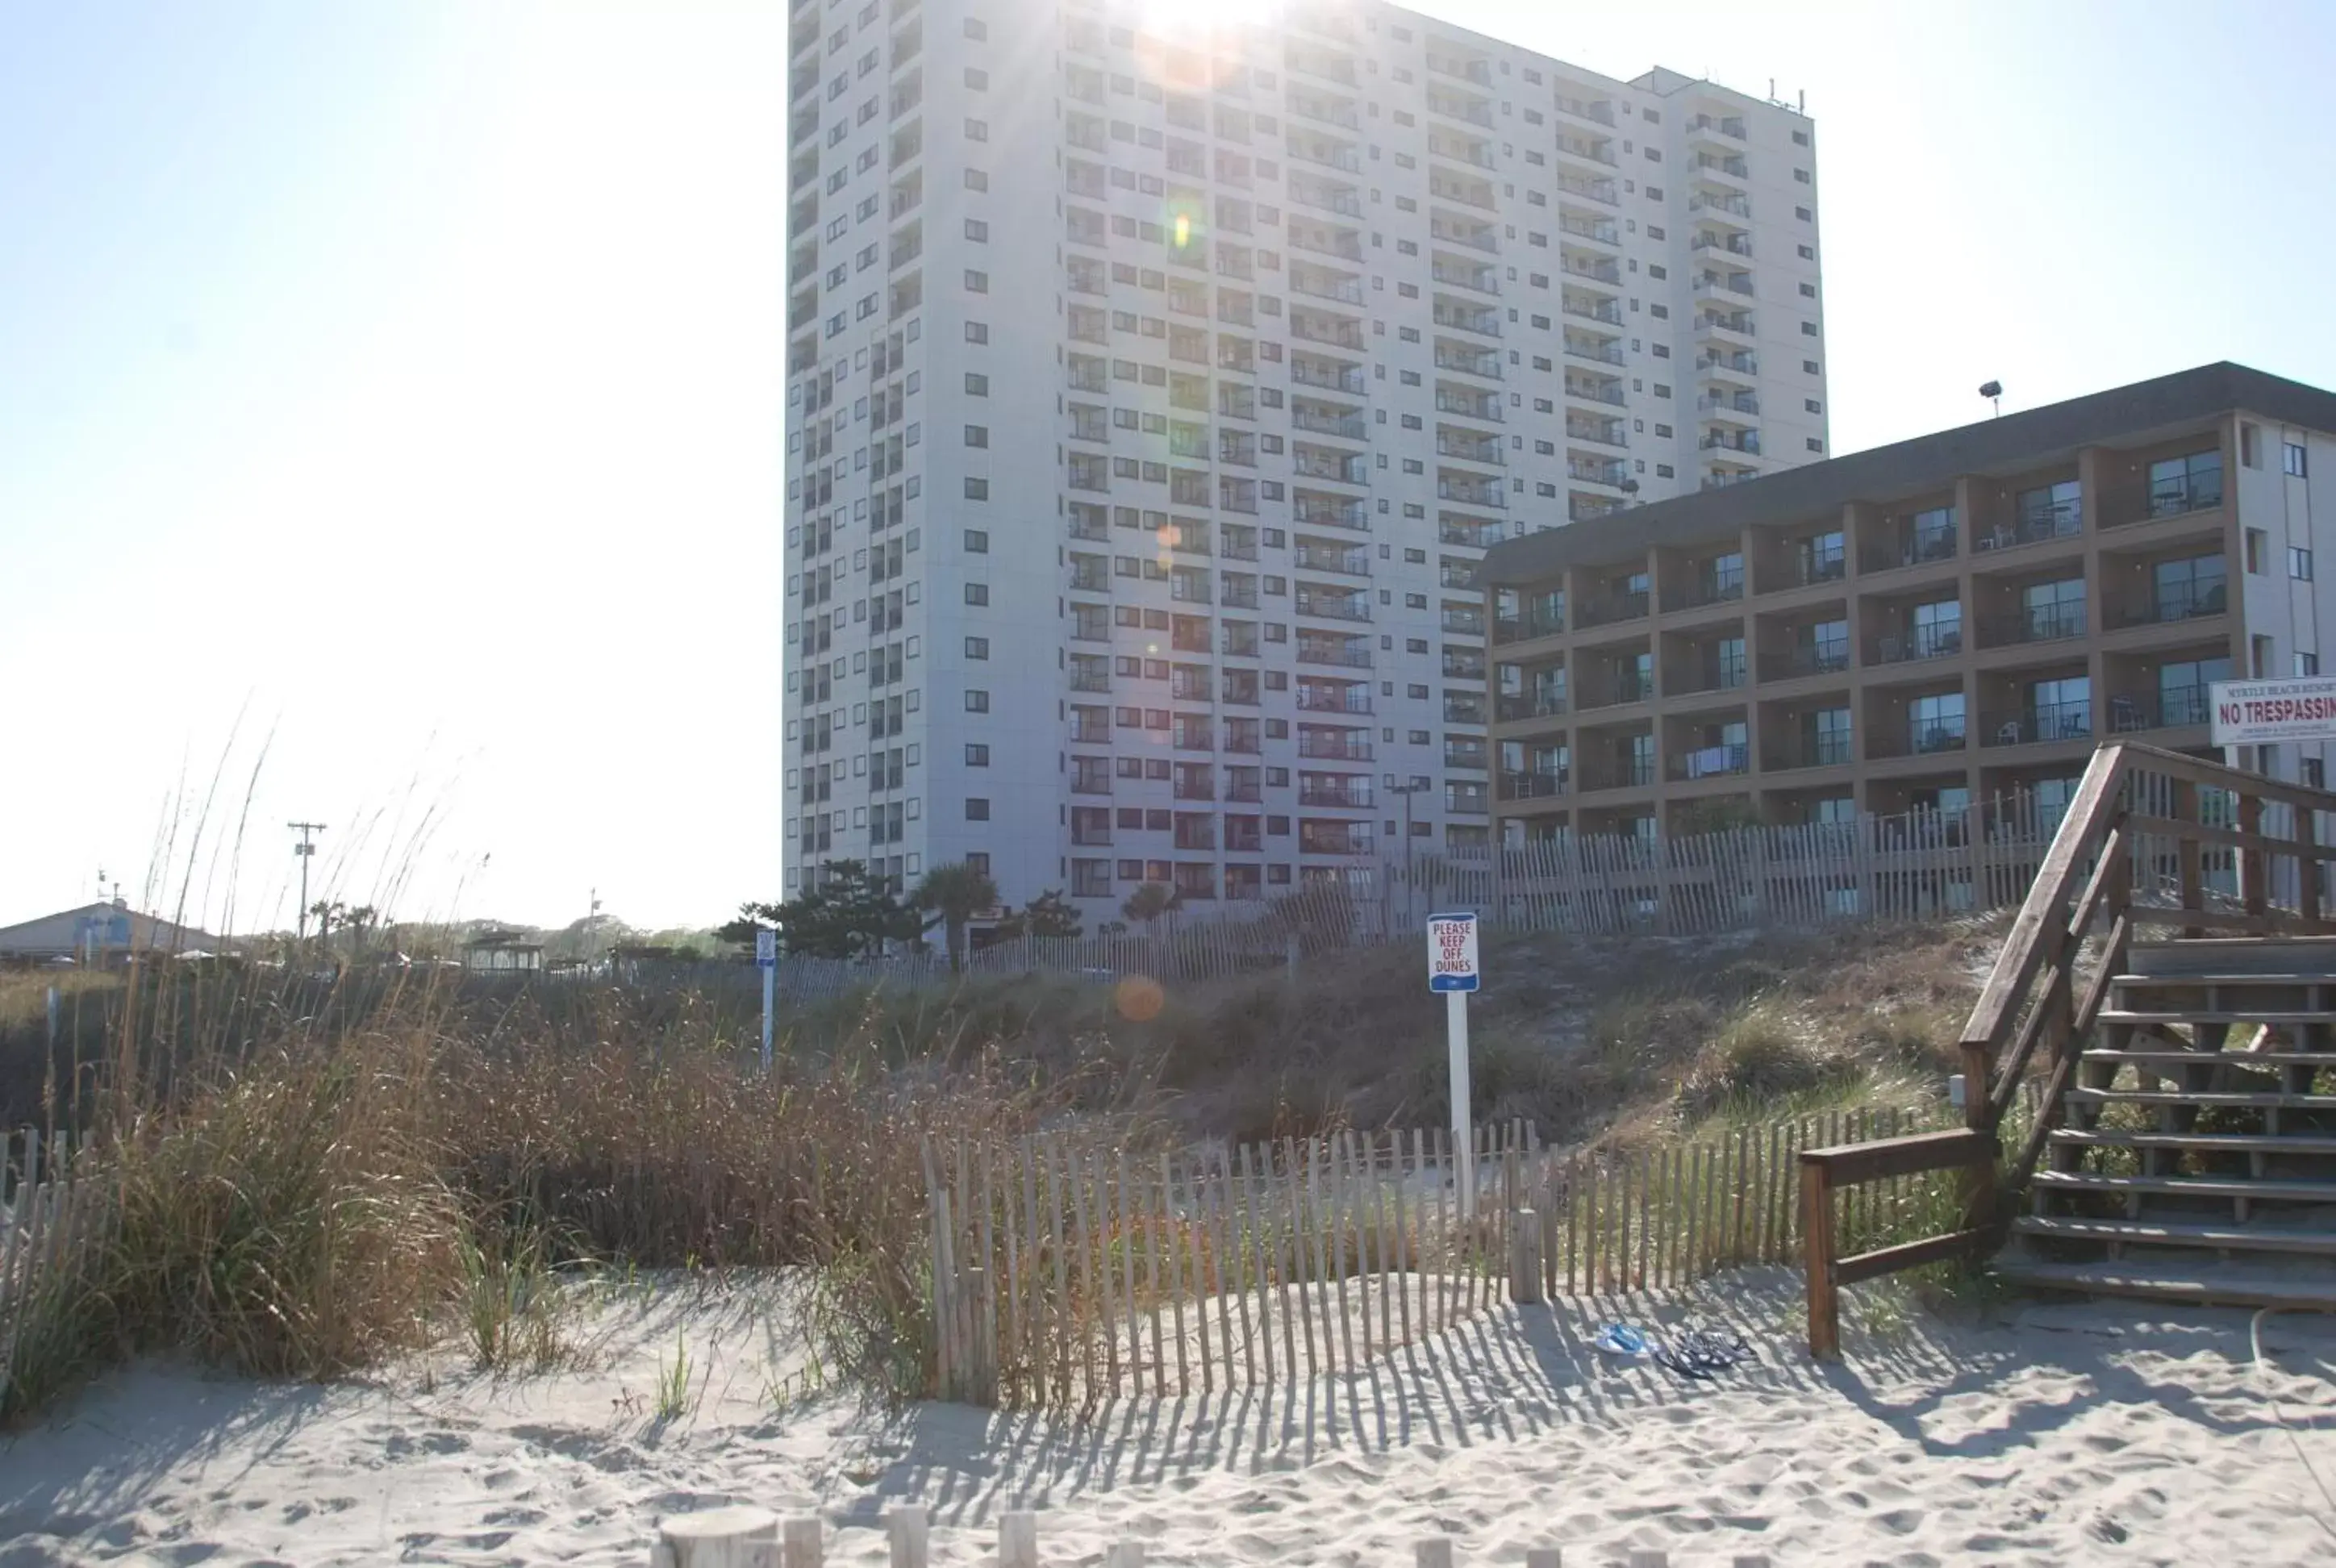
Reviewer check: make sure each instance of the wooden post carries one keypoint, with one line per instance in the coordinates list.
(733, 1537)
(1524, 1257)
(1017, 1540)
(911, 1536)
(981, 1354)
(1816, 1239)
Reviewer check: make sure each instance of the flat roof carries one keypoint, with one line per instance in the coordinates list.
(1909, 468)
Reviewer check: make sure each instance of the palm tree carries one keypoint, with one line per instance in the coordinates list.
(957, 892)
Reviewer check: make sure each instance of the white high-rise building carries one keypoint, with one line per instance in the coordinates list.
(1153, 387)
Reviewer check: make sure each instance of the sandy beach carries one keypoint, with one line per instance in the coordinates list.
(2055, 1434)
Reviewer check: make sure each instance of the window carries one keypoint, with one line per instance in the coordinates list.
(976, 332)
(2191, 482)
(977, 282)
(976, 130)
(1813, 406)
(2291, 459)
(977, 180)
(976, 754)
(977, 435)
(2258, 546)
(977, 541)
(977, 701)
(2249, 445)
(2299, 563)
(976, 385)
(976, 648)
(976, 80)
(977, 809)
(2307, 664)
(976, 29)
(977, 593)
(1809, 367)
(977, 490)
(977, 230)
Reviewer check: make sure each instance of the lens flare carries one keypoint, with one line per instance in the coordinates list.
(1183, 231)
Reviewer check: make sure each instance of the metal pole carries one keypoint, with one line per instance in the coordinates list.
(769, 975)
(304, 852)
(1455, 1028)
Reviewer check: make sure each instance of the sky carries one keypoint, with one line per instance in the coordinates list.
(392, 409)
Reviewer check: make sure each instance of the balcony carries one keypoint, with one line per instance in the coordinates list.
(1518, 706)
(1323, 558)
(1461, 319)
(2195, 603)
(1486, 406)
(1467, 799)
(1907, 547)
(1607, 351)
(1721, 243)
(1601, 230)
(1344, 795)
(2061, 520)
(1614, 471)
(1592, 309)
(1711, 761)
(1604, 431)
(1744, 440)
(1338, 112)
(1467, 192)
(1335, 467)
(1469, 111)
(1323, 513)
(1920, 737)
(2042, 723)
(2035, 623)
(1325, 373)
(1723, 406)
(1593, 189)
(1468, 362)
(1334, 746)
(1333, 839)
(1332, 606)
(1596, 271)
(1478, 153)
(1715, 363)
(1483, 493)
(1326, 699)
(1607, 609)
(1721, 585)
(2173, 707)
(1488, 452)
(1483, 280)
(1463, 623)
(1346, 427)
(1480, 534)
(1621, 687)
(1808, 659)
(1733, 205)
(1335, 653)
(1525, 628)
(1317, 284)
(1923, 644)
(1620, 774)
(1531, 786)
(1595, 392)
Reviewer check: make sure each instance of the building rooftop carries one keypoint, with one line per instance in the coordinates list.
(2010, 445)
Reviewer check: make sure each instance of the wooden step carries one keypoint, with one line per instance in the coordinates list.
(2158, 1233)
(2219, 1284)
(2205, 1142)
(2204, 1098)
(2207, 1016)
(2254, 1061)
(2190, 1186)
(2311, 958)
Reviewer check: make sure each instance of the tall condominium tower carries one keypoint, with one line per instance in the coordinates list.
(1156, 377)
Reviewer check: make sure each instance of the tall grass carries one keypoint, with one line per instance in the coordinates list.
(317, 1188)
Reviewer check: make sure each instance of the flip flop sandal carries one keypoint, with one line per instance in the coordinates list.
(1621, 1339)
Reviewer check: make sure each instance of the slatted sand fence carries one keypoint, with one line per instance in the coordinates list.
(54, 1214)
(740, 1537)
(1071, 1272)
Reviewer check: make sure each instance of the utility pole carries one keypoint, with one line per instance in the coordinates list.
(306, 850)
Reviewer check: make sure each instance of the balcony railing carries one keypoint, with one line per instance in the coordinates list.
(1924, 643)
(1634, 773)
(1518, 627)
(1326, 653)
(1819, 660)
(1605, 610)
(1623, 688)
(1711, 761)
(2184, 604)
(1335, 747)
(1312, 699)
(1909, 549)
(2040, 724)
(1531, 786)
(2174, 499)
(1705, 588)
(2037, 623)
(1354, 797)
(2170, 707)
(1919, 738)
(1466, 622)
(2063, 519)
(1516, 706)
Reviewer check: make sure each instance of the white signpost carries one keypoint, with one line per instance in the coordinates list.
(1451, 969)
(2269, 712)
(766, 959)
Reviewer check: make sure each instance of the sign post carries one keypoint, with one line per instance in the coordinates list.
(766, 959)
(1451, 969)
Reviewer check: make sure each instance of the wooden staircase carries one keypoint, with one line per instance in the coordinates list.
(2150, 1070)
(2195, 1160)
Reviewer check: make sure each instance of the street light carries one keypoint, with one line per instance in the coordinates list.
(1406, 792)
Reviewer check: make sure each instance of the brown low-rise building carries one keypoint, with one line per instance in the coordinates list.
(1951, 620)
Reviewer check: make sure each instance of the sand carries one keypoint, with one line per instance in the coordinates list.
(2109, 1433)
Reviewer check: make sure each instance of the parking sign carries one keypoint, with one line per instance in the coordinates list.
(1452, 952)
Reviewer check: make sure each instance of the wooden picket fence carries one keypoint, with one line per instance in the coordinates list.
(741, 1537)
(54, 1214)
(1068, 1273)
